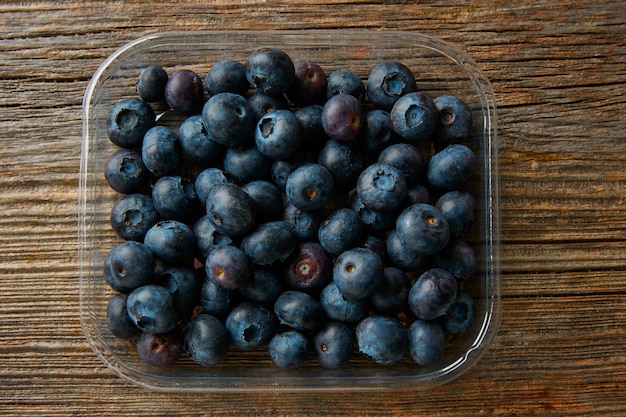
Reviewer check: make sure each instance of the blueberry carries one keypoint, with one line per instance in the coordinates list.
(387, 82)
(281, 169)
(309, 187)
(358, 273)
(345, 82)
(426, 342)
(298, 310)
(422, 229)
(377, 132)
(455, 120)
(268, 200)
(310, 83)
(185, 287)
(311, 129)
(340, 231)
(262, 103)
(184, 91)
(151, 83)
(392, 295)
(458, 258)
(401, 256)
(215, 300)
(228, 267)
(161, 349)
(381, 187)
(407, 158)
(270, 70)
(228, 119)
(250, 326)
(128, 121)
(344, 162)
(133, 215)
(128, 265)
(246, 163)
(375, 243)
(420, 194)
(196, 142)
(339, 308)
(151, 307)
(460, 315)
(226, 76)
(289, 349)
(415, 117)
(125, 171)
(277, 134)
(171, 241)
(206, 180)
(342, 117)
(458, 207)
(160, 150)
(206, 340)
(231, 209)
(118, 321)
(175, 198)
(373, 221)
(304, 223)
(432, 294)
(207, 238)
(262, 287)
(451, 168)
(310, 269)
(269, 243)
(382, 339)
(332, 345)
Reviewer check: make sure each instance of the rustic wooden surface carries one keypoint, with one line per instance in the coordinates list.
(559, 72)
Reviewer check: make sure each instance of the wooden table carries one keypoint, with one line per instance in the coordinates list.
(559, 72)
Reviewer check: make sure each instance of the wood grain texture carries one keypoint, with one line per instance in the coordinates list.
(559, 73)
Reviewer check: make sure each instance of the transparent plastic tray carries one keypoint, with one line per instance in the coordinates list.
(439, 68)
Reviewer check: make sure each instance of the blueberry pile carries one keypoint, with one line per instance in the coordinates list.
(304, 213)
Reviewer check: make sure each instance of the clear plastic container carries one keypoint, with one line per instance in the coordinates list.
(439, 68)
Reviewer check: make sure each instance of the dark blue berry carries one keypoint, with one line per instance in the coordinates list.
(401, 256)
(215, 300)
(133, 215)
(305, 223)
(310, 187)
(175, 198)
(432, 294)
(289, 349)
(151, 307)
(460, 315)
(455, 120)
(151, 83)
(407, 158)
(277, 134)
(250, 326)
(458, 258)
(196, 142)
(246, 163)
(226, 76)
(373, 221)
(182, 282)
(426, 342)
(281, 169)
(206, 340)
(231, 209)
(420, 194)
(451, 168)
(339, 308)
(128, 265)
(343, 160)
(332, 345)
(340, 231)
(268, 200)
(206, 180)
(310, 269)
(262, 103)
(125, 171)
(228, 119)
(161, 349)
(270, 70)
(311, 129)
(387, 82)
(458, 207)
(415, 117)
(377, 132)
(128, 121)
(207, 237)
(342, 117)
(171, 241)
(382, 339)
(228, 267)
(358, 273)
(262, 287)
(392, 295)
(269, 243)
(381, 187)
(118, 321)
(299, 310)
(184, 91)
(160, 150)
(422, 229)
(345, 82)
